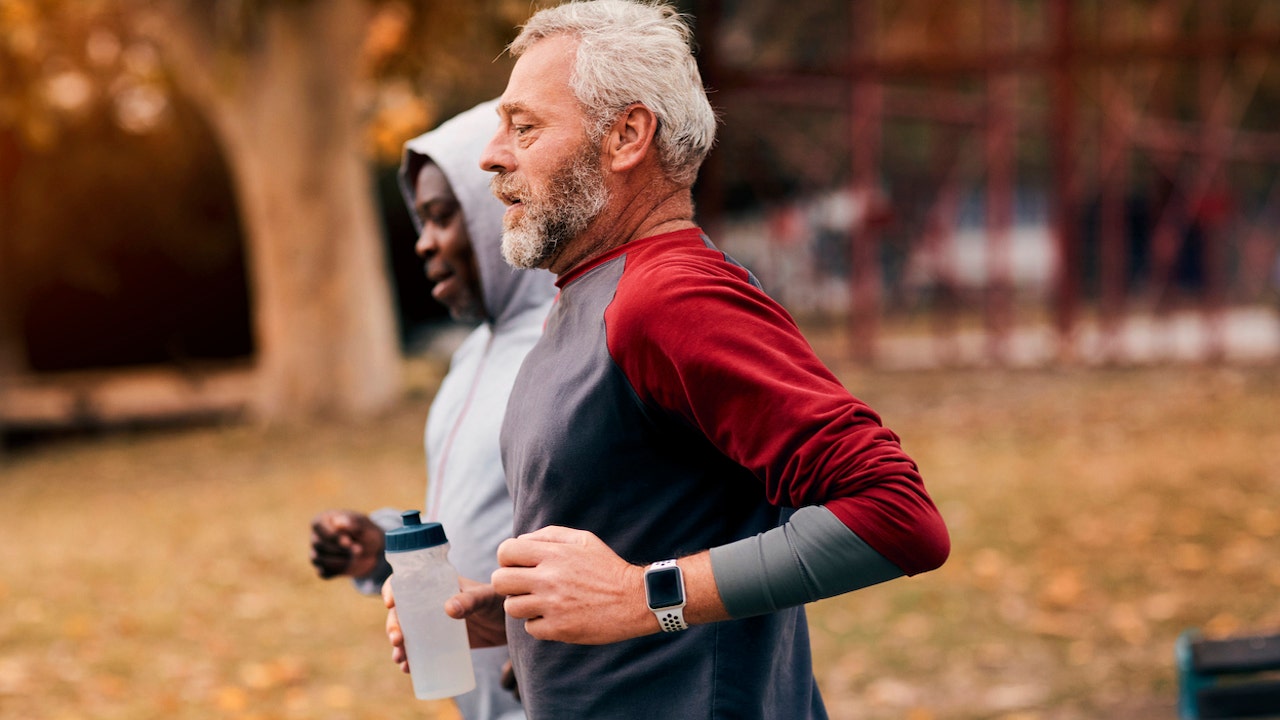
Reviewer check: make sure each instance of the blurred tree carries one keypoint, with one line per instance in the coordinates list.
(301, 95)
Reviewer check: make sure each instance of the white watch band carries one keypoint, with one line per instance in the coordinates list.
(670, 618)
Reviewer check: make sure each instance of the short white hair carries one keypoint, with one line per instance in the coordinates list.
(634, 51)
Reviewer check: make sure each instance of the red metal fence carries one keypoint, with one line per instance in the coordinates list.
(1027, 180)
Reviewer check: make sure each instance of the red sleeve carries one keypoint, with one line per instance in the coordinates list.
(700, 341)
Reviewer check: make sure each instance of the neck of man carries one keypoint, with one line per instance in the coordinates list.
(657, 208)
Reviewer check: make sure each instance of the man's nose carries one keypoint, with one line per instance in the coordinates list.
(496, 156)
(428, 244)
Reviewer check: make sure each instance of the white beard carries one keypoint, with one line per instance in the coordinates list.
(574, 198)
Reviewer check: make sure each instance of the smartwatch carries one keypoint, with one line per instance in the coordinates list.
(664, 594)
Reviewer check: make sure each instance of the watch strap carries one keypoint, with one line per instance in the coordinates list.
(671, 619)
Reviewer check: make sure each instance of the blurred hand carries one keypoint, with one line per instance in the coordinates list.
(569, 586)
(345, 542)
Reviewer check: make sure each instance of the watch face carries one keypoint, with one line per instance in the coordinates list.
(664, 588)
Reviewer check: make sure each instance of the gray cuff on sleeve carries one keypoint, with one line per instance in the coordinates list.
(812, 556)
(371, 584)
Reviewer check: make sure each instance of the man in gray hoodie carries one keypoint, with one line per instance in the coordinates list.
(460, 234)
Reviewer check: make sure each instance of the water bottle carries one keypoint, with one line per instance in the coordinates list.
(422, 580)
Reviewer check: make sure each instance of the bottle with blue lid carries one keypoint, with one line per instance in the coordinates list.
(423, 579)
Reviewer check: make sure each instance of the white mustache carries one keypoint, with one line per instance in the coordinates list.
(504, 186)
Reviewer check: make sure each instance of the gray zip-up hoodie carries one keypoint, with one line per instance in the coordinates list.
(466, 487)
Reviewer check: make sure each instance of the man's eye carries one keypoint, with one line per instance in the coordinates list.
(522, 129)
(439, 214)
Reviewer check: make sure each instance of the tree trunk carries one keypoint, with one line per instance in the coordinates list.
(285, 110)
(11, 349)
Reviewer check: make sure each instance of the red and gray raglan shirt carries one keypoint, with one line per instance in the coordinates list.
(670, 407)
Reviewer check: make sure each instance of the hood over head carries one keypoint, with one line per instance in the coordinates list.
(455, 146)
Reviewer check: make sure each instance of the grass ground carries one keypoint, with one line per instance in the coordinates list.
(1094, 514)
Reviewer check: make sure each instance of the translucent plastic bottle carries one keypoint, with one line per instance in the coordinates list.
(422, 579)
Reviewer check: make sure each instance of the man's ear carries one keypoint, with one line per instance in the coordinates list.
(630, 139)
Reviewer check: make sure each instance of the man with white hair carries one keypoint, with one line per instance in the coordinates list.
(686, 474)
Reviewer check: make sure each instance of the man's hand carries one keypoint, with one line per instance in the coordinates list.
(398, 654)
(567, 585)
(345, 542)
(476, 603)
(481, 607)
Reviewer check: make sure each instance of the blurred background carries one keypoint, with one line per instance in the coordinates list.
(1040, 236)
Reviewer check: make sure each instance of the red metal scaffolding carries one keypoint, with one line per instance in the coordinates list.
(1146, 127)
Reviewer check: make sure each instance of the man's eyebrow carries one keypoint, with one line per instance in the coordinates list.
(436, 201)
(508, 109)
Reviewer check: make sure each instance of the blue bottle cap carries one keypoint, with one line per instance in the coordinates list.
(415, 535)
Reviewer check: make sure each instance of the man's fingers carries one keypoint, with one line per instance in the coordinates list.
(461, 605)
(328, 568)
(331, 548)
(345, 542)
(532, 548)
(398, 653)
(474, 597)
(523, 607)
(338, 539)
(393, 629)
(327, 550)
(539, 628)
(326, 523)
(514, 580)
(329, 560)
(335, 527)
(329, 555)
(517, 552)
